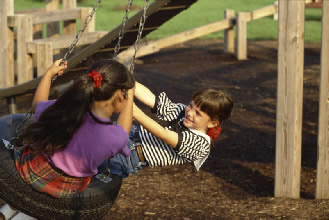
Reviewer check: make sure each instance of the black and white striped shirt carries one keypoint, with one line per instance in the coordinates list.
(192, 146)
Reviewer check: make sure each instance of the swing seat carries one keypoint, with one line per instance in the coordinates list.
(93, 203)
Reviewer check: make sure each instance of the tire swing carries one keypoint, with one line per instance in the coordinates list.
(96, 200)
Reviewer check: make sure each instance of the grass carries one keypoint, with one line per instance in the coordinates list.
(201, 13)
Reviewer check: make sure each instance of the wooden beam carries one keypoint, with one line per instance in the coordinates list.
(47, 16)
(262, 12)
(6, 46)
(241, 36)
(63, 42)
(229, 41)
(154, 46)
(322, 182)
(289, 98)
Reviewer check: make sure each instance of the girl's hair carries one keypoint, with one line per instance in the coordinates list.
(215, 103)
(58, 123)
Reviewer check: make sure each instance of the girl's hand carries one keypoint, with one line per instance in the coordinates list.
(56, 68)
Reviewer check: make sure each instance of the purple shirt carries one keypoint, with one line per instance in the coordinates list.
(91, 144)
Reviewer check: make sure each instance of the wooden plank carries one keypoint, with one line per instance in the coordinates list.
(289, 98)
(322, 186)
(62, 42)
(47, 17)
(6, 46)
(229, 41)
(241, 41)
(69, 26)
(44, 56)
(24, 60)
(262, 12)
(154, 46)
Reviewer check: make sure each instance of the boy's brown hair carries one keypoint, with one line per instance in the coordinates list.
(215, 103)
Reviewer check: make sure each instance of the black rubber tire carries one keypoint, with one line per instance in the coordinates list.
(93, 203)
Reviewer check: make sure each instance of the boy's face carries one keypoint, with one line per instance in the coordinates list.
(197, 119)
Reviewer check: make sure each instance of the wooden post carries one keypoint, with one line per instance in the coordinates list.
(6, 45)
(241, 41)
(322, 186)
(12, 107)
(24, 60)
(69, 26)
(289, 98)
(84, 13)
(44, 51)
(229, 33)
(52, 28)
(276, 15)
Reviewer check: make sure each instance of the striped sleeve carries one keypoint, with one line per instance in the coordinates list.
(167, 110)
(193, 147)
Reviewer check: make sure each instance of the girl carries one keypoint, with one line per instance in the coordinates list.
(73, 135)
(182, 133)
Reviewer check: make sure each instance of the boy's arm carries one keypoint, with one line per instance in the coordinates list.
(170, 137)
(144, 95)
(126, 115)
(42, 92)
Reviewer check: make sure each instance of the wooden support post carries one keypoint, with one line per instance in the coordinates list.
(84, 13)
(276, 15)
(24, 60)
(322, 186)
(241, 41)
(52, 28)
(44, 53)
(69, 26)
(229, 41)
(12, 107)
(289, 98)
(6, 45)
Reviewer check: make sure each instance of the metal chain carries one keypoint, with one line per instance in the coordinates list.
(69, 51)
(26, 117)
(139, 35)
(122, 31)
(79, 34)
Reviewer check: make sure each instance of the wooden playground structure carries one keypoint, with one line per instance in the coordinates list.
(291, 16)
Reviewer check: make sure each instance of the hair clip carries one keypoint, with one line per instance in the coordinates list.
(97, 77)
(214, 132)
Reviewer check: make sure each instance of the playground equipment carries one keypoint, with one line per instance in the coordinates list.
(290, 81)
(95, 201)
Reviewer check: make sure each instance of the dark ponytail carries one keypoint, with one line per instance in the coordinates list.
(58, 123)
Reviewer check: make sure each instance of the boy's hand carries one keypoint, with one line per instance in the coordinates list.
(56, 68)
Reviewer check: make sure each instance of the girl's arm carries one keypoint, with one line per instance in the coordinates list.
(42, 92)
(168, 136)
(144, 95)
(126, 115)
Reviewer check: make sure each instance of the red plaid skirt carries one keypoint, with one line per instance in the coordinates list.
(38, 173)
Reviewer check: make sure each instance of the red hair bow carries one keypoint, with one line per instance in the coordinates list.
(97, 77)
(214, 132)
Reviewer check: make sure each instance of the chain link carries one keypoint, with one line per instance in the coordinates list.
(122, 31)
(139, 35)
(79, 34)
(27, 116)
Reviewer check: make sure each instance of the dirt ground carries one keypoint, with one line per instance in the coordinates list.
(237, 181)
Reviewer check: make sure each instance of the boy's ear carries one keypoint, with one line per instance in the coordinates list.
(213, 124)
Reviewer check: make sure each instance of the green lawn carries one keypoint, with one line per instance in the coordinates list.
(201, 13)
